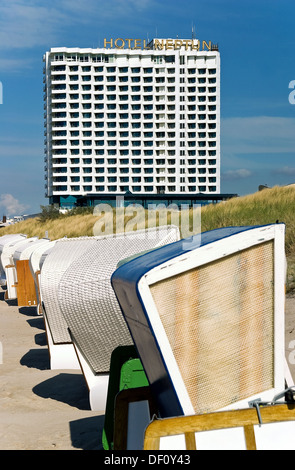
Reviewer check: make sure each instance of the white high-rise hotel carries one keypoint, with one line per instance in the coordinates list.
(132, 118)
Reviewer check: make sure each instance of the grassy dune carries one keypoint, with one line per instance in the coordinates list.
(264, 207)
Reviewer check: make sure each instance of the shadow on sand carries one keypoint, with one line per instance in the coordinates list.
(66, 388)
(86, 433)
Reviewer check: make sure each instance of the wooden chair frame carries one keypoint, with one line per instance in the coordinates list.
(189, 425)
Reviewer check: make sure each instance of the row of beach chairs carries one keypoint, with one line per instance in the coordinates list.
(165, 328)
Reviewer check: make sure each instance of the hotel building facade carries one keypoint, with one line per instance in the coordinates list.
(132, 118)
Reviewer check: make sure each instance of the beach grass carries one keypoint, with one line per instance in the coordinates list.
(264, 207)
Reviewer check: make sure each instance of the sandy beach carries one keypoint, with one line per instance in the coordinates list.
(40, 409)
(43, 409)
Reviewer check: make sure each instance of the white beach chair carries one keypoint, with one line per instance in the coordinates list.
(6, 240)
(207, 318)
(25, 282)
(36, 256)
(53, 264)
(89, 306)
(9, 266)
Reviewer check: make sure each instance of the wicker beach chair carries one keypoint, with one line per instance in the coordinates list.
(241, 429)
(36, 260)
(25, 284)
(6, 240)
(9, 265)
(207, 318)
(54, 263)
(90, 308)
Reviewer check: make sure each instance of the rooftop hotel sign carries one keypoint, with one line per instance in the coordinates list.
(159, 44)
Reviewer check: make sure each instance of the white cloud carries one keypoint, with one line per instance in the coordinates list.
(236, 174)
(11, 205)
(15, 65)
(285, 170)
(26, 23)
(17, 150)
(261, 134)
(30, 23)
(22, 148)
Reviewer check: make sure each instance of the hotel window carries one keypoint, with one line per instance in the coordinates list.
(58, 57)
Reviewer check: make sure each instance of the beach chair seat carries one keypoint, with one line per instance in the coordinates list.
(240, 429)
(90, 308)
(207, 317)
(126, 373)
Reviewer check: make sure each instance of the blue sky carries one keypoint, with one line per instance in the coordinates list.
(256, 41)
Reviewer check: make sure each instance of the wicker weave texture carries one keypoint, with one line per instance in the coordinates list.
(9, 249)
(58, 260)
(6, 240)
(36, 255)
(219, 320)
(87, 299)
(24, 251)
